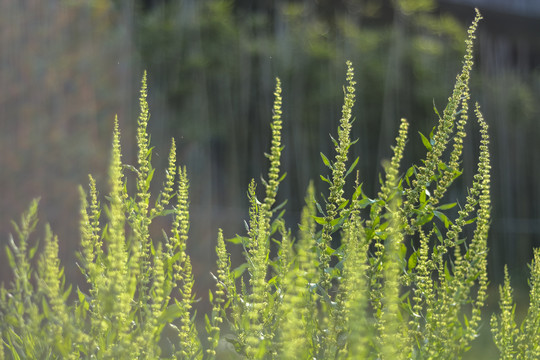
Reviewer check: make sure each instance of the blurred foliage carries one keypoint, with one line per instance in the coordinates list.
(215, 60)
(220, 57)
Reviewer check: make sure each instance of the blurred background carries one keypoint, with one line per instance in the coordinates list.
(67, 67)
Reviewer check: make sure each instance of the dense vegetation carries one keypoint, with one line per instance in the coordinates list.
(397, 275)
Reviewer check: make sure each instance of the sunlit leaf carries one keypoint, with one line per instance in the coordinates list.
(325, 179)
(237, 272)
(446, 206)
(326, 161)
(413, 260)
(443, 218)
(425, 141)
(351, 168)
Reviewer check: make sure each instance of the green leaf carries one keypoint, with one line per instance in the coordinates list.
(438, 233)
(280, 206)
(13, 245)
(402, 251)
(446, 206)
(352, 167)
(32, 251)
(325, 179)
(442, 165)
(272, 281)
(326, 161)
(12, 348)
(11, 259)
(431, 132)
(208, 326)
(329, 251)
(167, 212)
(173, 259)
(334, 141)
(357, 192)
(237, 272)
(435, 109)
(447, 276)
(443, 218)
(131, 168)
(425, 141)
(337, 223)
(365, 202)
(424, 218)
(149, 178)
(408, 174)
(66, 294)
(152, 249)
(343, 204)
(413, 260)
(320, 220)
(149, 152)
(81, 295)
(424, 195)
(46, 310)
(319, 207)
(238, 239)
(171, 313)
(83, 300)
(457, 173)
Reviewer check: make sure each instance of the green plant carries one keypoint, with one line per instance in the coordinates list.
(364, 293)
(391, 277)
(136, 286)
(522, 342)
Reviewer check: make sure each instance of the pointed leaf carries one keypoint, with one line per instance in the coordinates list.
(352, 166)
(66, 294)
(413, 260)
(237, 272)
(319, 208)
(46, 310)
(425, 141)
(149, 178)
(237, 239)
(171, 313)
(425, 218)
(435, 109)
(343, 204)
(334, 140)
(357, 192)
(446, 206)
(325, 180)
(443, 218)
(326, 161)
(11, 259)
(280, 206)
(32, 251)
(408, 174)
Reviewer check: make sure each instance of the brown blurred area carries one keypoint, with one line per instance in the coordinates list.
(66, 69)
